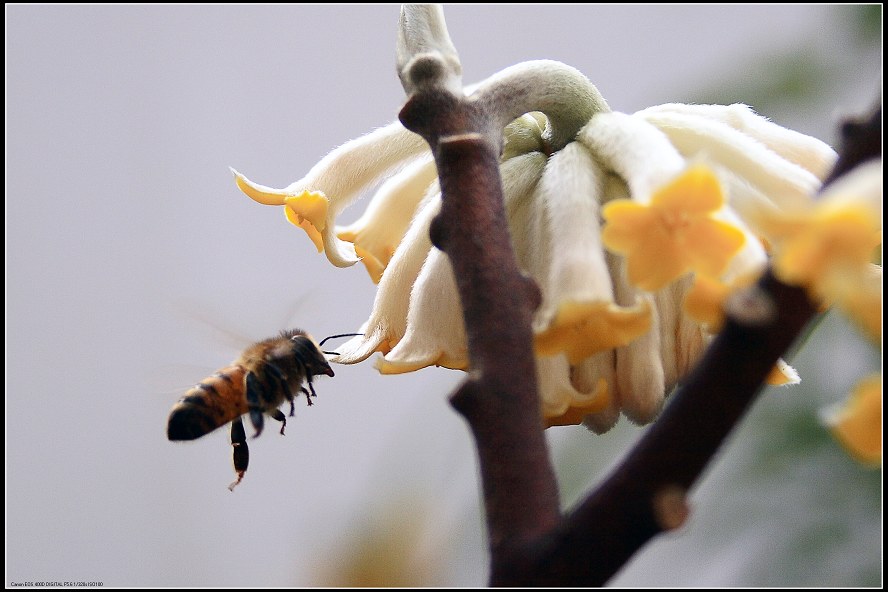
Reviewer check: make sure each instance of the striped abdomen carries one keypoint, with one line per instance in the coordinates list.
(214, 402)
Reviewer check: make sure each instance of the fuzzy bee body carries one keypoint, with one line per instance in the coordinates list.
(266, 375)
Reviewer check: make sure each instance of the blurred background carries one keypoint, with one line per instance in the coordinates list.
(131, 256)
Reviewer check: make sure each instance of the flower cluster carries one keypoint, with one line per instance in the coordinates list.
(635, 230)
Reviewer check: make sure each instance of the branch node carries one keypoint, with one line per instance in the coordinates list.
(670, 507)
(426, 70)
(752, 307)
(438, 232)
(532, 291)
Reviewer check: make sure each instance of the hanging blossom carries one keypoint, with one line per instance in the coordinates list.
(620, 220)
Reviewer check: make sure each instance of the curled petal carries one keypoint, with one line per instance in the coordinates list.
(807, 152)
(565, 400)
(340, 177)
(524, 135)
(581, 329)
(306, 209)
(597, 372)
(377, 233)
(857, 424)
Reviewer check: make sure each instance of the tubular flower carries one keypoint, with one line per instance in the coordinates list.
(610, 217)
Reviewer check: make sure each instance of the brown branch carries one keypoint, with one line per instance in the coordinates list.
(500, 396)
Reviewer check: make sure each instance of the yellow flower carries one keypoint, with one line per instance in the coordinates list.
(684, 188)
(828, 246)
(827, 240)
(675, 233)
(857, 424)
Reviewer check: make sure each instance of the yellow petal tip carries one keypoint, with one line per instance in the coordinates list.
(582, 329)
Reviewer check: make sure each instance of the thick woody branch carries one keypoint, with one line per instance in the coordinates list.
(500, 399)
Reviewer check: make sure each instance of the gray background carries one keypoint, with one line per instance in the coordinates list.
(125, 234)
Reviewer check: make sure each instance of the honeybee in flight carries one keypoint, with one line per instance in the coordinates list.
(264, 376)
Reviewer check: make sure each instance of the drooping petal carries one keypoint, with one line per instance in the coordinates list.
(388, 320)
(435, 330)
(527, 224)
(435, 333)
(598, 371)
(806, 151)
(636, 150)
(857, 424)
(578, 315)
(639, 365)
(339, 178)
(377, 233)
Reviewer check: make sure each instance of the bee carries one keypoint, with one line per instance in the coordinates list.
(266, 374)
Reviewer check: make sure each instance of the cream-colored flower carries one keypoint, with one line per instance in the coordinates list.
(611, 219)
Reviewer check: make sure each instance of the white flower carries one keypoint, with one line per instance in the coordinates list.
(613, 220)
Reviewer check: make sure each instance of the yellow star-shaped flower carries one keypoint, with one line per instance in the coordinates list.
(675, 232)
(829, 239)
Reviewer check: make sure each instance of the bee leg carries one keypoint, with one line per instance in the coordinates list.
(307, 396)
(241, 452)
(311, 387)
(292, 407)
(254, 401)
(281, 418)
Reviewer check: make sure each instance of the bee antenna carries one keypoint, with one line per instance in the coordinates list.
(326, 339)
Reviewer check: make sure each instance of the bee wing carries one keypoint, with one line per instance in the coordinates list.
(211, 324)
(173, 380)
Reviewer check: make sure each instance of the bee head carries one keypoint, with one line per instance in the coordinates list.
(310, 355)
